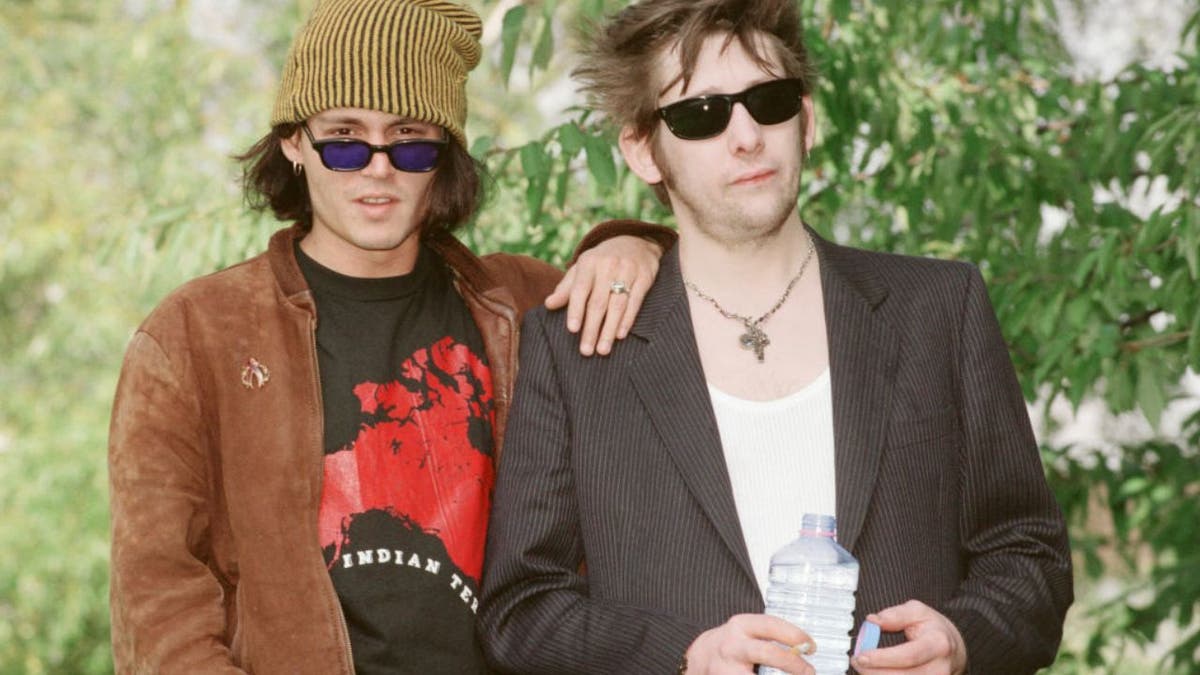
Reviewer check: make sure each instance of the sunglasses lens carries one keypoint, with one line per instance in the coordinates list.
(703, 117)
(694, 119)
(416, 156)
(345, 155)
(773, 102)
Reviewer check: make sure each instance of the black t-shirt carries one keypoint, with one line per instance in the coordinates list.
(408, 476)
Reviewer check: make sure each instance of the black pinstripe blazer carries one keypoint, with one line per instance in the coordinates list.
(617, 462)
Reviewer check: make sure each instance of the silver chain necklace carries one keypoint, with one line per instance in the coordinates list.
(754, 337)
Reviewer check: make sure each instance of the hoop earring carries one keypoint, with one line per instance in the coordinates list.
(297, 168)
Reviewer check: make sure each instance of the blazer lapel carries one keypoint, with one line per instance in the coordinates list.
(863, 348)
(669, 380)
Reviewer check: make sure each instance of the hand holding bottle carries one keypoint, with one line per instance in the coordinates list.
(748, 639)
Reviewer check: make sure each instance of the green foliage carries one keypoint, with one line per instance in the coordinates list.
(946, 128)
(114, 185)
(1153, 497)
(513, 21)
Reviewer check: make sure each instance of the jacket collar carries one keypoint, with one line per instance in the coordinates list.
(842, 269)
(666, 297)
(281, 254)
(467, 266)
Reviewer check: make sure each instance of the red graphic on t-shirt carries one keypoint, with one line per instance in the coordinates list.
(417, 460)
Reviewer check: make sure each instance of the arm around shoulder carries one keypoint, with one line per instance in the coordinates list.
(168, 608)
(661, 235)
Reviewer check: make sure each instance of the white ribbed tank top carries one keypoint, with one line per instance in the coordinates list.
(780, 459)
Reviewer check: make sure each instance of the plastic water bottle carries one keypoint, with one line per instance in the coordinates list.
(812, 584)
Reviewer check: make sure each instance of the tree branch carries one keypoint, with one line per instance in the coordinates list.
(1157, 341)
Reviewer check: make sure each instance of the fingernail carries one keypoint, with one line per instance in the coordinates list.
(804, 648)
(604, 346)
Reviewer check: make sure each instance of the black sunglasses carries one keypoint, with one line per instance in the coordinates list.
(414, 155)
(694, 119)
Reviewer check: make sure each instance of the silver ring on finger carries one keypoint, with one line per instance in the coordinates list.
(618, 288)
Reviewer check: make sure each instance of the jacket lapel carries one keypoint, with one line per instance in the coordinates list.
(669, 380)
(863, 348)
(494, 310)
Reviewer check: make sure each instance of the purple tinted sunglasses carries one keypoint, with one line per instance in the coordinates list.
(414, 155)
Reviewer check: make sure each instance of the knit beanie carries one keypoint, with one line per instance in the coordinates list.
(405, 57)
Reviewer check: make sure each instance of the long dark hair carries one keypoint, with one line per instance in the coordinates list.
(269, 181)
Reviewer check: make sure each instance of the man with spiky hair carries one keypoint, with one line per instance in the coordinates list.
(303, 446)
(770, 373)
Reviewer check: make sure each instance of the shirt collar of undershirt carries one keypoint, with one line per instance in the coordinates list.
(818, 386)
(326, 281)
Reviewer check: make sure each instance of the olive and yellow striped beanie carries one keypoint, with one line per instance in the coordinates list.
(405, 57)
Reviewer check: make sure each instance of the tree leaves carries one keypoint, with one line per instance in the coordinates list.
(600, 161)
(510, 37)
(536, 165)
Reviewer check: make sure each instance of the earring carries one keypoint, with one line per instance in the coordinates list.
(297, 168)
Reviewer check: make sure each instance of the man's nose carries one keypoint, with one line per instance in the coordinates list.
(743, 134)
(380, 165)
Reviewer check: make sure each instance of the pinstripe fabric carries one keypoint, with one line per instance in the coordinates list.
(618, 462)
(405, 57)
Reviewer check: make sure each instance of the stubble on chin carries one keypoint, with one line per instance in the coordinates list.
(725, 219)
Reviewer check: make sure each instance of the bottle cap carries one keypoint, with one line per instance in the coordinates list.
(868, 637)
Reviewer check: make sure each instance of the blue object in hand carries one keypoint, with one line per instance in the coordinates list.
(868, 637)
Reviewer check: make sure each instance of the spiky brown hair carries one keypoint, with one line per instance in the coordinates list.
(619, 58)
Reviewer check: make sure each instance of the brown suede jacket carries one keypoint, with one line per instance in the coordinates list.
(215, 462)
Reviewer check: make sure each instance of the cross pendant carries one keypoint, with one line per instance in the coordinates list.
(754, 338)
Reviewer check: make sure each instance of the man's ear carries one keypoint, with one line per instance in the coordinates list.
(291, 148)
(810, 125)
(639, 155)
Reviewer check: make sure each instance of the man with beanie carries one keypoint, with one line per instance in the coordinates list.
(303, 446)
